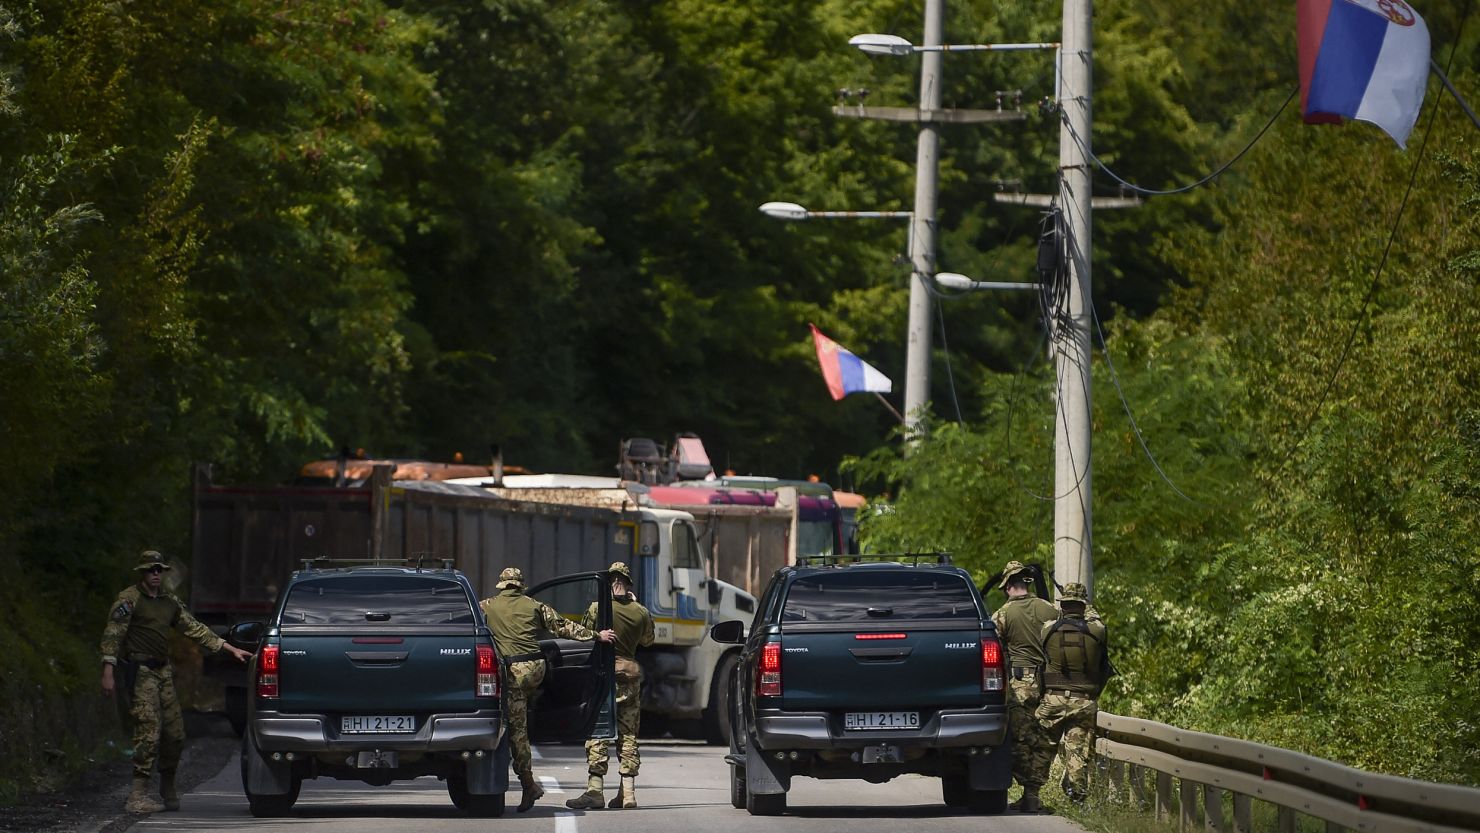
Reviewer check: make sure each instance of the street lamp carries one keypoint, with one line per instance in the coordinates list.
(952, 280)
(898, 46)
(792, 211)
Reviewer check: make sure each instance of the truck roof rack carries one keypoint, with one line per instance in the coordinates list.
(913, 559)
(416, 561)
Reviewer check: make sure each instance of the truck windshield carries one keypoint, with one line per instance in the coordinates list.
(891, 596)
(361, 600)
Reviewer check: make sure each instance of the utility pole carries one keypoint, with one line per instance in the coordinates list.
(922, 231)
(1073, 482)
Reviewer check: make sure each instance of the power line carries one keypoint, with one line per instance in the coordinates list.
(1201, 182)
(1381, 264)
(1115, 380)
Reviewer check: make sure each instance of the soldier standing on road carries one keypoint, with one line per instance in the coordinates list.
(1077, 667)
(136, 638)
(517, 622)
(1020, 627)
(634, 627)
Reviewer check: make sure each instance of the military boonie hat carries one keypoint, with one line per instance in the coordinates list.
(1074, 592)
(1012, 569)
(149, 559)
(510, 577)
(619, 569)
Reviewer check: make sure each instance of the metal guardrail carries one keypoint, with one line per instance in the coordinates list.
(1343, 797)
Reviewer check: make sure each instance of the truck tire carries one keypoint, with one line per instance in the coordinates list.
(955, 789)
(717, 716)
(737, 787)
(770, 804)
(478, 806)
(267, 806)
(987, 802)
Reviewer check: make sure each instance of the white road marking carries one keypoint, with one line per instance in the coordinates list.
(565, 823)
(551, 785)
(534, 754)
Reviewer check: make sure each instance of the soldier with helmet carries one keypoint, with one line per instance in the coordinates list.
(136, 641)
(517, 622)
(634, 628)
(1076, 668)
(1020, 624)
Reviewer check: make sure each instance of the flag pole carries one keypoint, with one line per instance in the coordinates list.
(1452, 91)
(897, 414)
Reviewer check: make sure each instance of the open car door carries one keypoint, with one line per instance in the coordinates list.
(578, 699)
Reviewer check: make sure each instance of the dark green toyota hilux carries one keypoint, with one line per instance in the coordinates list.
(869, 669)
(378, 674)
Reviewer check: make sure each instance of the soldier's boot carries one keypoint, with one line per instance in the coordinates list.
(1029, 803)
(532, 791)
(139, 800)
(629, 792)
(167, 790)
(591, 798)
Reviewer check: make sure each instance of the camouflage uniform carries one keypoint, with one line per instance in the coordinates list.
(1019, 625)
(138, 632)
(517, 622)
(1076, 655)
(634, 626)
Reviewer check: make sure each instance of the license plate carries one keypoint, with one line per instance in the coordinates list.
(377, 723)
(881, 720)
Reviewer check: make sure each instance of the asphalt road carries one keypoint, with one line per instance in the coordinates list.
(683, 788)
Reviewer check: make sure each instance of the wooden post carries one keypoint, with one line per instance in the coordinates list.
(380, 502)
(1287, 820)
(1242, 814)
(1212, 809)
(1117, 781)
(1187, 805)
(1333, 827)
(1164, 796)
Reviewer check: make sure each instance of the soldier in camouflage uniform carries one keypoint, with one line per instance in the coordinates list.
(517, 622)
(1077, 664)
(138, 634)
(634, 628)
(1020, 627)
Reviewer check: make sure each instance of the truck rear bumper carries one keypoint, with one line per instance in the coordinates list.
(948, 728)
(276, 732)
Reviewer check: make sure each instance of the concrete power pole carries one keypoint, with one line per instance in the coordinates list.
(922, 230)
(1073, 492)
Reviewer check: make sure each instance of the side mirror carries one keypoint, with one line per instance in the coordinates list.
(245, 634)
(729, 633)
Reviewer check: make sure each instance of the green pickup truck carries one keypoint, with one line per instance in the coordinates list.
(869, 669)
(378, 674)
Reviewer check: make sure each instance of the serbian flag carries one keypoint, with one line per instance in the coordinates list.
(1363, 59)
(846, 373)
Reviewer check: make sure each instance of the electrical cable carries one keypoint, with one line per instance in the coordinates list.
(1381, 264)
(1154, 192)
(940, 318)
(1115, 380)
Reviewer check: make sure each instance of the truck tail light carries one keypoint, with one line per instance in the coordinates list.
(994, 675)
(267, 672)
(768, 673)
(487, 673)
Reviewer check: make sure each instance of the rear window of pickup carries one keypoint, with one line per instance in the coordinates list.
(879, 596)
(395, 600)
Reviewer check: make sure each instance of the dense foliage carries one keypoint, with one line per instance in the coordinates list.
(252, 232)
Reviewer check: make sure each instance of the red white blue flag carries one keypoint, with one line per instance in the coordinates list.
(1363, 59)
(846, 373)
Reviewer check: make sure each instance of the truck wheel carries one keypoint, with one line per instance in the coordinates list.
(267, 806)
(955, 789)
(717, 716)
(770, 804)
(988, 802)
(479, 806)
(737, 787)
